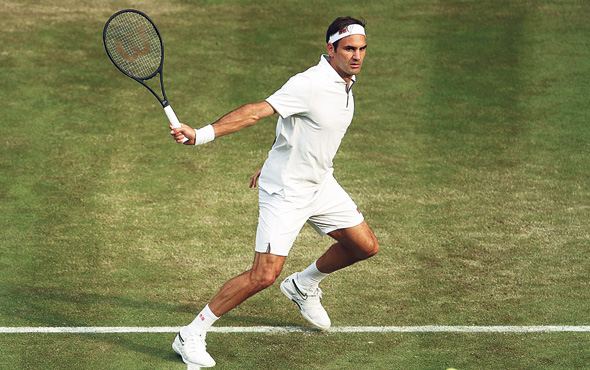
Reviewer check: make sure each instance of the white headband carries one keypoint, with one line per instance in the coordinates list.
(353, 29)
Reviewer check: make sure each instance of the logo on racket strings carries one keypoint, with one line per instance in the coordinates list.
(139, 45)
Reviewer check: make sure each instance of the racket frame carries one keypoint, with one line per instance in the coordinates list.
(160, 68)
(164, 100)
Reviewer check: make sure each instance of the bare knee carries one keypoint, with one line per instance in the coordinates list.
(359, 241)
(261, 280)
(366, 247)
(370, 248)
(265, 270)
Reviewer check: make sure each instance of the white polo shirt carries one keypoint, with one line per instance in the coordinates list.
(315, 107)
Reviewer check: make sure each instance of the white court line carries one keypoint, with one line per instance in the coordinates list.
(294, 329)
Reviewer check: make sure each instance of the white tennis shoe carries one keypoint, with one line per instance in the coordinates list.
(191, 346)
(308, 300)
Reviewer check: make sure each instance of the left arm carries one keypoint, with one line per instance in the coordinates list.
(254, 178)
(256, 175)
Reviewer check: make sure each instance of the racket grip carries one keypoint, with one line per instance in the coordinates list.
(172, 118)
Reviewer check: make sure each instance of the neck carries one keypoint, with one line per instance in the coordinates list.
(344, 76)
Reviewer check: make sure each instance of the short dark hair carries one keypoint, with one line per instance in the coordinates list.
(341, 23)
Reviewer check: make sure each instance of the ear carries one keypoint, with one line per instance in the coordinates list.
(331, 51)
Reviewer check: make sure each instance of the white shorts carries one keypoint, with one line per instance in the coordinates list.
(280, 219)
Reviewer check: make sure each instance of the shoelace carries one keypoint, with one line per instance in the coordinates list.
(195, 342)
(315, 296)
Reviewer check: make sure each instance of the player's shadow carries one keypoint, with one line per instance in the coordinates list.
(250, 320)
(55, 307)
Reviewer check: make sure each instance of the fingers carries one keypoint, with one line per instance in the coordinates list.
(253, 181)
(254, 178)
(177, 135)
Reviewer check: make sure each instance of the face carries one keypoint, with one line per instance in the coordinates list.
(347, 60)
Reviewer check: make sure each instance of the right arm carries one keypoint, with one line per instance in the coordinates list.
(234, 121)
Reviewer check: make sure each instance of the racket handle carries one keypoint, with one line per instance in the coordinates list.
(172, 118)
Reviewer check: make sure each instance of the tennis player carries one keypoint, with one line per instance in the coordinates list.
(296, 185)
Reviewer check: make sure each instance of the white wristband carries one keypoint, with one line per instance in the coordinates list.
(204, 135)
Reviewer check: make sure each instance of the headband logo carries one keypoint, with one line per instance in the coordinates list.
(353, 29)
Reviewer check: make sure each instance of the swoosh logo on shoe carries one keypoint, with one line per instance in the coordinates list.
(181, 339)
(303, 295)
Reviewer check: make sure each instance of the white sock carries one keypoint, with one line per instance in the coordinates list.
(311, 276)
(203, 321)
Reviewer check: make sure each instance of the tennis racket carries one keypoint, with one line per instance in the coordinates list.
(134, 45)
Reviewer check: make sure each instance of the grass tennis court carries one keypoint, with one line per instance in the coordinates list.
(468, 154)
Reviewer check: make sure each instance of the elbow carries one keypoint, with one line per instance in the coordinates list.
(253, 115)
(258, 111)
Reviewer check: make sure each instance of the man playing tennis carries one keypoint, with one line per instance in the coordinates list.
(296, 186)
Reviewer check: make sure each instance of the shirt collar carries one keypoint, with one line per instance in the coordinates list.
(325, 64)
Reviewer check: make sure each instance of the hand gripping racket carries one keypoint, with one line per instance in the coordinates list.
(134, 45)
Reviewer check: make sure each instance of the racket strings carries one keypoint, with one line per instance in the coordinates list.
(134, 45)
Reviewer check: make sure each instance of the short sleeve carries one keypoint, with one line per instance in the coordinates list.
(294, 97)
